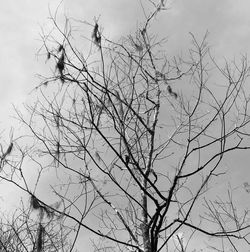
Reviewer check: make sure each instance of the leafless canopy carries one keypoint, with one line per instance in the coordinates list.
(135, 140)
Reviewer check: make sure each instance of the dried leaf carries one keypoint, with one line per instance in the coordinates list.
(127, 159)
(143, 32)
(40, 235)
(9, 149)
(60, 48)
(41, 214)
(95, 31)
(117, 95)
(58, 148)
(57, 151)
(97, 156)
(159, 75)
(121, 112)
(34, 202)
(138, 48)
(171, 92)
(57, 120)
(60, 64)
(246, 187)
(96, 35)
(49, 213)
(45, 83)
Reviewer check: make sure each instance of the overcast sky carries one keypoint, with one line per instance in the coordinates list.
(228, 23)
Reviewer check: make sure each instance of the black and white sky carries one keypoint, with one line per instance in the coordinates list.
(227, 21)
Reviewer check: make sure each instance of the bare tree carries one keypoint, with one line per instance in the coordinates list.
(133, 141)
(26, 231)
